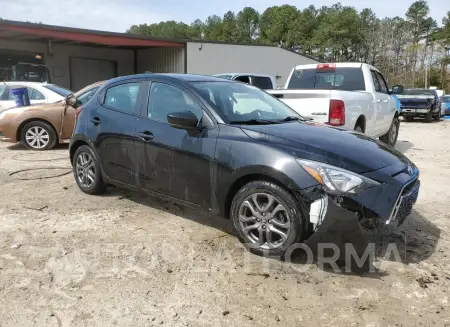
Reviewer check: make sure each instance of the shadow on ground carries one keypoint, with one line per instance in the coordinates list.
(415, 241)
(403, 146)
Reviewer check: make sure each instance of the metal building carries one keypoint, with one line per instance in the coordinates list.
(78, 57)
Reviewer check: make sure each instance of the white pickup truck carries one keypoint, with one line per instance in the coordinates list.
(354, 96)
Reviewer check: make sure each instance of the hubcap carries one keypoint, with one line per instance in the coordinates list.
(264, 221)
(85, 169)
(37, 137)
(393, 133)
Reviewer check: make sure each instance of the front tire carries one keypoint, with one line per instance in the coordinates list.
(267, 218)
(429, 116)
(38, 135)
(86, 171)
(438, 116)
(391, 136)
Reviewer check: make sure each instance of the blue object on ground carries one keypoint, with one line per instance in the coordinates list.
(21, 95)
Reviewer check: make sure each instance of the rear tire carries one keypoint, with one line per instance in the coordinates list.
(38, 135)
(267, 218)
(390, 138)
(86, 171)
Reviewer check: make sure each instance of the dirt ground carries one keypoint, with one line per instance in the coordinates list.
(126, 259)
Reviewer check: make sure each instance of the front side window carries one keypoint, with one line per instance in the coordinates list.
(237, 102)
(122, 97)
(165, 99)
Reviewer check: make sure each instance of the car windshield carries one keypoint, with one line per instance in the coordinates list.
(418, 92)
(58, 89)
(238, 102)
(446, 99)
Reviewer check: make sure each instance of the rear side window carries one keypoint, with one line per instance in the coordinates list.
(264, 83)
(34, 94)
(122, 97)
(2, 90)
(344, 79)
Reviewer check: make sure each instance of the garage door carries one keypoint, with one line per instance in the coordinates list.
(85, 71)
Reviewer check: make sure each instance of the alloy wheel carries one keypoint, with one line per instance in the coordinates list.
(37, 137)
(85, 170)
(264, 221)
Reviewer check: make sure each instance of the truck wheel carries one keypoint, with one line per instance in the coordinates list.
(409, 118)
(390, 138)
(438, 116)
(429, 117)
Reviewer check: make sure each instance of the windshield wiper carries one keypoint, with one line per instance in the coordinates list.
(254, 122)
(295, 118)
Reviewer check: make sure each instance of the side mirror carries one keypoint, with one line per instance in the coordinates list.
(71, 100)
(397, 89)
(182, 120)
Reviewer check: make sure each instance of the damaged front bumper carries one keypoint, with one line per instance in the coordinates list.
(353, 219)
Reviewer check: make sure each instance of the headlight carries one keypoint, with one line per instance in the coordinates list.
(336, 180)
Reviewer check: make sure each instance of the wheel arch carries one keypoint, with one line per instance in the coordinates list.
(361, 121)
(30, 120)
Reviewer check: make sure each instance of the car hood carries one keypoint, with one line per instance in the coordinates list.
(342, 148)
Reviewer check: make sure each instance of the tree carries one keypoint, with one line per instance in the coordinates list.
(247, 24)
(275, 24)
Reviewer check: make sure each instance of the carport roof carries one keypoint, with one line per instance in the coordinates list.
(21, 31)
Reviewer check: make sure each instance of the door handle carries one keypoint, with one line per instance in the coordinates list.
(378, 100)
(385, 101)
(96, 121)
(145, 136)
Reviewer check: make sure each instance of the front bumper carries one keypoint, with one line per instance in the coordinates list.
(408, 111)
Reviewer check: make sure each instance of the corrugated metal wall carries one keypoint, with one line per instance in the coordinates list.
(213, 58)
(161, 60)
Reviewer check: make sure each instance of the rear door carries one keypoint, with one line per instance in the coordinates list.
(112, 124)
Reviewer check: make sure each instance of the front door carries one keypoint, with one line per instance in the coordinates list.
(171, 161)
(114, 122)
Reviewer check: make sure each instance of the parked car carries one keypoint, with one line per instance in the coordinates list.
(264, 82)
(353, 96)
(241, 153)
(41, 127)
(422, 103)
(445, 105)
(37, 92)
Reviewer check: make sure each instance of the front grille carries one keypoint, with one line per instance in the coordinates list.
(406, 200)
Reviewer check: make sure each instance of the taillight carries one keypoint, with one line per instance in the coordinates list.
(337, 113)
(78, 112)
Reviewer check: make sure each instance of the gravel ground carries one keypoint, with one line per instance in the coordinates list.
(126, 259)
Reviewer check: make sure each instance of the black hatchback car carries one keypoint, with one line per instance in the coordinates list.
(241, 153)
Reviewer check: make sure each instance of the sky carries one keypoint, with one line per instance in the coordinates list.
(118, 15)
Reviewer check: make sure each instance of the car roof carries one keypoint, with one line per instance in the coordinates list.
(26, 83)
(249, 74)
(172, 77)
